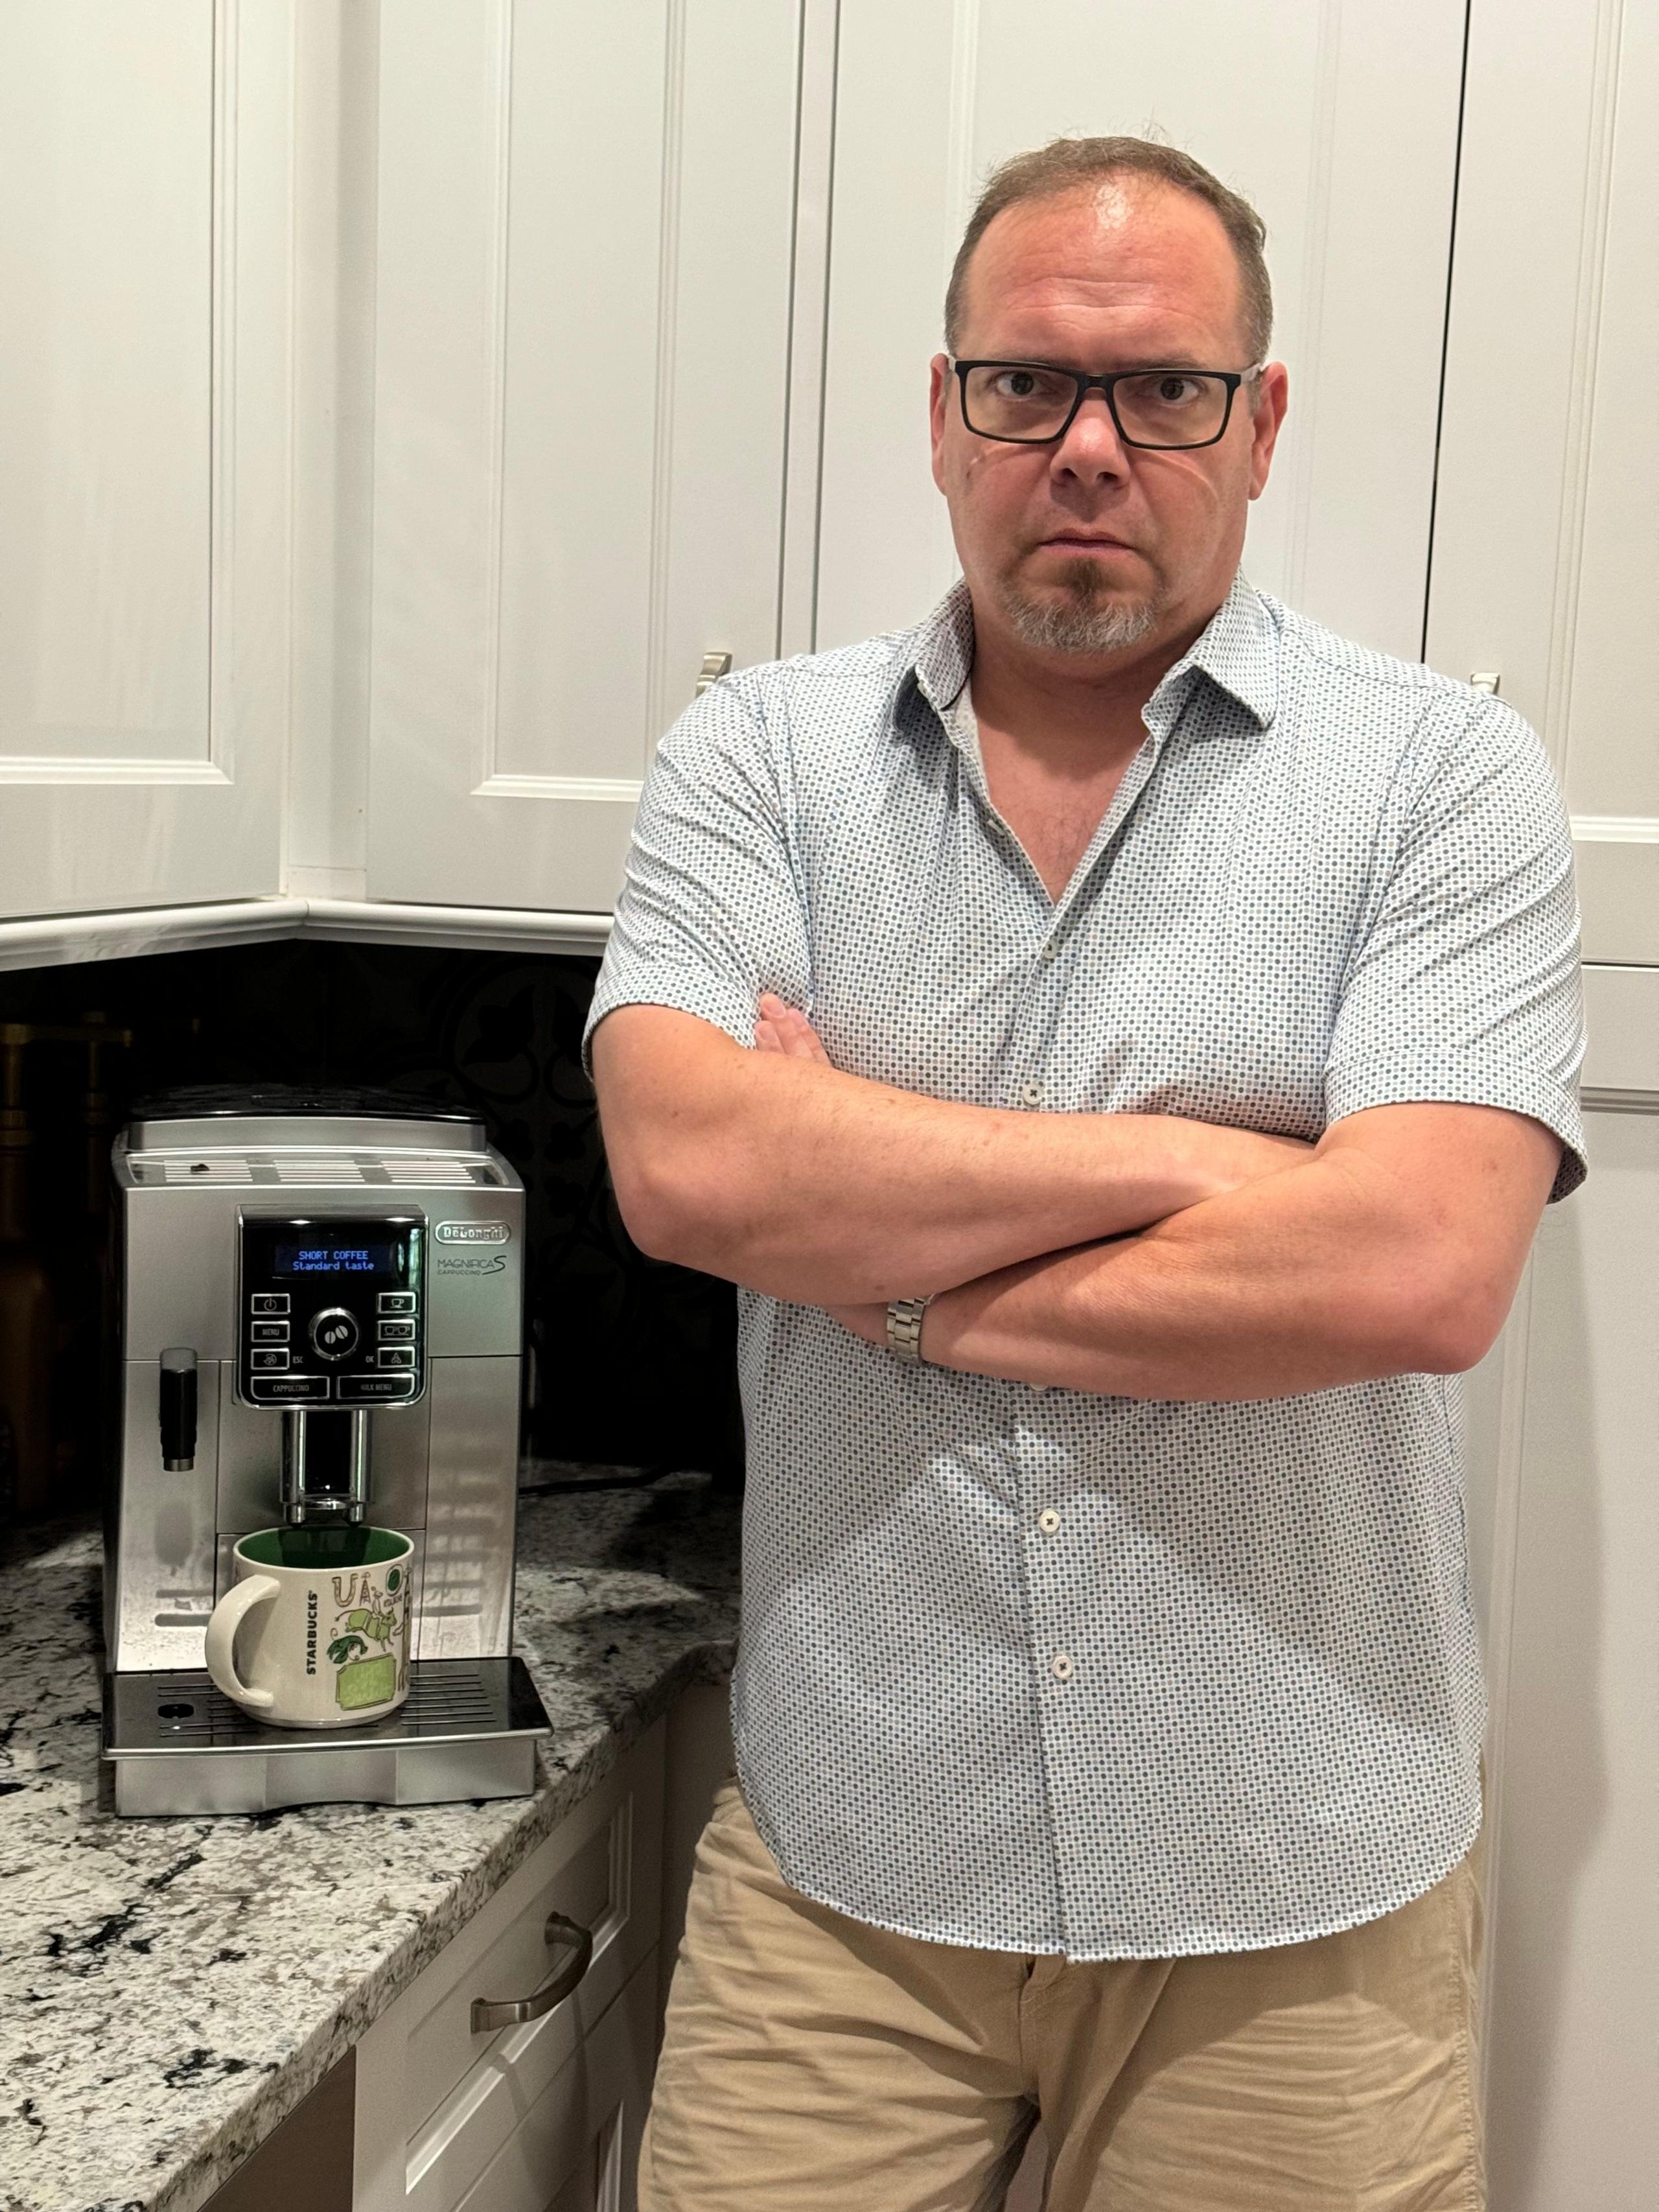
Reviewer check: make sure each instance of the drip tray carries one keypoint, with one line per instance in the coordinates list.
(468, 1728)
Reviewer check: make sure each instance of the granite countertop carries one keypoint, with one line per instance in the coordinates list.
(170, 1988)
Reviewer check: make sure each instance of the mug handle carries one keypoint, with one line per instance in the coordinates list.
(228, 1616)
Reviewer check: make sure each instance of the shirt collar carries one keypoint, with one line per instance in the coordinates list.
(943, 655)
(1237, 649)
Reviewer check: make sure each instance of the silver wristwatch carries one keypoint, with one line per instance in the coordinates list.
(904, 1329)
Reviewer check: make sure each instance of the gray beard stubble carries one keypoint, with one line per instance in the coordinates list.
(1079, 623)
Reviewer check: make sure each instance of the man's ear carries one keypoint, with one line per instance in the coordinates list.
(1272, 397)
(939, 401)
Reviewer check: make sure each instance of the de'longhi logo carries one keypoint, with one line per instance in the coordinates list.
(471, 1247)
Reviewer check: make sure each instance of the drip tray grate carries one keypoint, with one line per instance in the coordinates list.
(467, 1731)
(449, 1699)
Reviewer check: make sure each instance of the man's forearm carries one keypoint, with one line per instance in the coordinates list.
(816, 1186)
(1333, 1273)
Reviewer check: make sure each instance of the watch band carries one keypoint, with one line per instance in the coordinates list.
(904, 1329)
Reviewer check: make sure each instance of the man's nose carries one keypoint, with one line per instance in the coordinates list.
(1092, 446)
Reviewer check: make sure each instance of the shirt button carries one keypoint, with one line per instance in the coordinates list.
(1048, 1520)
(1061, 1667)
(1030, 1094)
(1049, 950)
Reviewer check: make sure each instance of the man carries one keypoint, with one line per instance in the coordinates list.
(1121, 1037)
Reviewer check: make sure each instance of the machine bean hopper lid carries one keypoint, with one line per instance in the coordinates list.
(246, 1115)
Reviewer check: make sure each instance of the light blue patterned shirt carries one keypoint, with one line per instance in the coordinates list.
(1047, 1672)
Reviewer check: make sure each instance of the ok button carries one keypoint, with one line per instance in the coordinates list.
(334, 1332)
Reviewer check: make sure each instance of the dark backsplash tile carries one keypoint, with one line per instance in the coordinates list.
(631, 1361)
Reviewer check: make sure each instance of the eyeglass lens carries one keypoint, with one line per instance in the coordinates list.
(1165, 407)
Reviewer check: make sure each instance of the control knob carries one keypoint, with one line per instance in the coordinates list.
(334, 1332)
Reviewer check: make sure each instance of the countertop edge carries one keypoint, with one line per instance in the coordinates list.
(50, 940)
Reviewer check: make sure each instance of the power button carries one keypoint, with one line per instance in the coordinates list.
(334, 1332)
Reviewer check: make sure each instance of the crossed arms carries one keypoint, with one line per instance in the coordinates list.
(1141, 1256)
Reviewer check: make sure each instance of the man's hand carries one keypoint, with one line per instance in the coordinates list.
(781, 1028)
(868, 1321)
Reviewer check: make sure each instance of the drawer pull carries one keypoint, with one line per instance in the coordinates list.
(512, 2011)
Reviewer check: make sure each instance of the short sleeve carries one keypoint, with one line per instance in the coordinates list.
(711, 912)
(1465, 987)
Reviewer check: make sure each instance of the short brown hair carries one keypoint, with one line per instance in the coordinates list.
(1067, 165)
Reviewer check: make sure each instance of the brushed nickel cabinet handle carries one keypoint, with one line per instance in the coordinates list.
(488, 2014)
(1487, 681)
(714, 666)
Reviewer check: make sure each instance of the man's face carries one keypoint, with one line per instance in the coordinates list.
(1086, 546)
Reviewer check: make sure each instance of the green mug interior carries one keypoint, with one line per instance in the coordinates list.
(310, 1549)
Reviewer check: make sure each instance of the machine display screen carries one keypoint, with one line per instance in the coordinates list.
(377, 1259)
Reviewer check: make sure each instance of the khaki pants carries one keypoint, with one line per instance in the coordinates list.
(812, 2063)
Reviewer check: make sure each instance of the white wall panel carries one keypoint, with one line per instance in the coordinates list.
(144, 173)
(1339, 123)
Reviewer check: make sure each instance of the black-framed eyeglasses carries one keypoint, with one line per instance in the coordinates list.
(1162, 410)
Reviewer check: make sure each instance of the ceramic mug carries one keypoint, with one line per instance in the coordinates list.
(314, 1631)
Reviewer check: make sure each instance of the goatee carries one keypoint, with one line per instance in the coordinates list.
(1080, 621)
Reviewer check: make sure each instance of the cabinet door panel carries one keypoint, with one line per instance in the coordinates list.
(1565, 1477)
(144, 157)
(1546, 556)
(1303, 106)
(581, 365)
(438, 2103)
(582, 2134)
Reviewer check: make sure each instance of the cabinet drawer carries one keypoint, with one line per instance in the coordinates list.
(578, 2147)
(435, 2101)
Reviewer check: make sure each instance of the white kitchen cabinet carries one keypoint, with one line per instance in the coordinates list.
(577, 2149)
(1546, 567)
(145, 154)
(1341, 124)
(1563, 1482)
(448, 2118)
(582, 357)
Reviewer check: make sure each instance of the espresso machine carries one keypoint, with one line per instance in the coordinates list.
(321, 1323)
